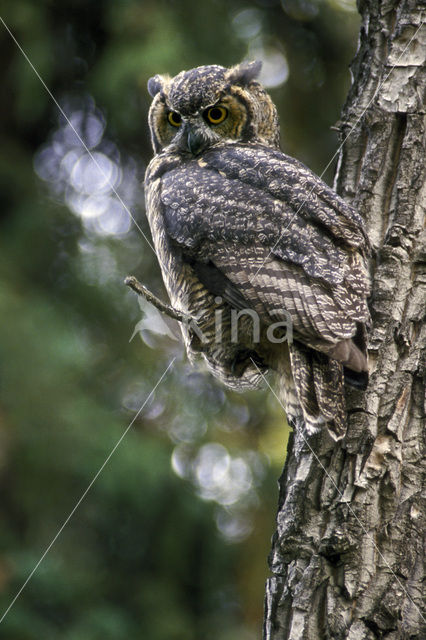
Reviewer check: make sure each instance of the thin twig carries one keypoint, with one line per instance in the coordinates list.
(141, 290)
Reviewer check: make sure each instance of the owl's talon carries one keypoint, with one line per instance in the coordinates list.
(244, 359)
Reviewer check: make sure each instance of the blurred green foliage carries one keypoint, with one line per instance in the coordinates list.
(172, 538)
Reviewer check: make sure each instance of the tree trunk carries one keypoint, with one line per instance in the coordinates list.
(347, 556)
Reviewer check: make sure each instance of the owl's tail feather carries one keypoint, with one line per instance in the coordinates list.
(313, 389)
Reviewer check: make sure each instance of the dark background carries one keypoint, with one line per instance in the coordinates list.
(171, 541)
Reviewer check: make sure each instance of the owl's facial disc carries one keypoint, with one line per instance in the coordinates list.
(223, 121)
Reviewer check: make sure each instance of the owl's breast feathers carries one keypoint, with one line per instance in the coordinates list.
(260, 229)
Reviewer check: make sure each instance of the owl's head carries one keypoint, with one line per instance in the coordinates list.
(209, 105)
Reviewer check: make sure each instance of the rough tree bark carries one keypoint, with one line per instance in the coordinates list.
(347, 556)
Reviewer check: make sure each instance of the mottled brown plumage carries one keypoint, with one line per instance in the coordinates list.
(240, 227)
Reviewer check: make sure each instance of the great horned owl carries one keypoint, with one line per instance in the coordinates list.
(244, 232)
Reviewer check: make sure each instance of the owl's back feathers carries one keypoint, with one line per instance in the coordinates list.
(276, 201)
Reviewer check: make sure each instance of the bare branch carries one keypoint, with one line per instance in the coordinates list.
(141, 290)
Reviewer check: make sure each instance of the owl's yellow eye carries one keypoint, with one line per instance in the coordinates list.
(215, 115)
(174, 119)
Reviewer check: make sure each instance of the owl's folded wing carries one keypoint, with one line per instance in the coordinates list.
(321, 317)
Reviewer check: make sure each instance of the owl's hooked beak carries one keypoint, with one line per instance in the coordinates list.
(196, 142)
(192, 138)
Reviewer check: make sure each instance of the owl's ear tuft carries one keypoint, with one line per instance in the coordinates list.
(155, 84)
(245, 72)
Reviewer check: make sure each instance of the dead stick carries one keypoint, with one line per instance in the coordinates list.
(141, 290)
